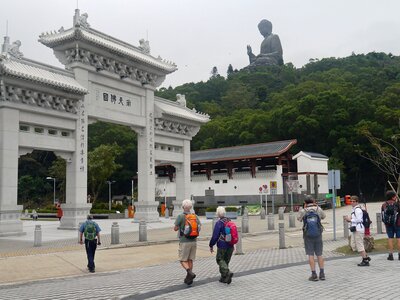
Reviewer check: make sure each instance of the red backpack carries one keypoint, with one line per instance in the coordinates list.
(231, 234)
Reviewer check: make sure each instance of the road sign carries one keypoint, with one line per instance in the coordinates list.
(334, 179)
(273, 185)
(292, 185)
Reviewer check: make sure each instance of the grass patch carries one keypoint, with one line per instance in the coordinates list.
(380, 246)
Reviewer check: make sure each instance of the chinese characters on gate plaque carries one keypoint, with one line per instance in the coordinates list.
(151, 134)
(82, 136)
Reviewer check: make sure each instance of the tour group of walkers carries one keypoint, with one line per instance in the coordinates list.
(225, 235)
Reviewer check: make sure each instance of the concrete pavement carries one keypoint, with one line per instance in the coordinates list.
(60, 273)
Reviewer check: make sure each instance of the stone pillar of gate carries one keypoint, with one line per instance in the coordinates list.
(182, 179)
(76, 207)
(10, 212)
(146, 207)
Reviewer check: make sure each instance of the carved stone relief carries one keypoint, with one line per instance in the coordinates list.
(108, 64)
(34, 98)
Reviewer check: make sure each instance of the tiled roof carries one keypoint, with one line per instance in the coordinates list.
(315, 155)
(171, 108)
(36, 72)
(242, 152)
(107, 42)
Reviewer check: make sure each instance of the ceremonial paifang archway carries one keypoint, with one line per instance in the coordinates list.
(47, 108)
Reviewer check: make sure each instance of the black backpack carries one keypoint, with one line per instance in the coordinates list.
(389, 214)
(312, 224)
(366, 220)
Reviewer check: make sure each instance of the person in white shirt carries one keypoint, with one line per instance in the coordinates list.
(357, 231)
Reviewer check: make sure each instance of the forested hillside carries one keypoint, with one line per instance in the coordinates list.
(329, 106)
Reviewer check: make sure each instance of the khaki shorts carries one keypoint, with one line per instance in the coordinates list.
(357, 241)
(187, 251)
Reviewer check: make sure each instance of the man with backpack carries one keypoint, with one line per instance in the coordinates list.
(311, 216)
(225, 235)
(188, 225)
(357, 231)
(390, 209)
(91, 231)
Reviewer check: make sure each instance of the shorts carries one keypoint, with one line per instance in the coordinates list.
(313, 246)
(392, 231)
(357, 241)
(187, 251)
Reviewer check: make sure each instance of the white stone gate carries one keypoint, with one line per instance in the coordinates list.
(47, 108)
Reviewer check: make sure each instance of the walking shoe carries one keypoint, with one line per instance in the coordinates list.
(390, 256)
(222, 279)
(399, 256)
(369, 258)
(364, 263)
(189, 277)
(321, 276)
(313, 277)
(229, 278)
(91, 270)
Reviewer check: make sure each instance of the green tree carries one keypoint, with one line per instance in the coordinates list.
(102, 165)
(58, 171)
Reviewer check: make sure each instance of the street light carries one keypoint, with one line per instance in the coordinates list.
(110, 182)
(54, 188)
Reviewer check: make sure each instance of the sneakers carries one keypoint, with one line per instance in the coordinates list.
(364, 262)
(313, 277)
(399, 256)
(390, 256)
(321, 276)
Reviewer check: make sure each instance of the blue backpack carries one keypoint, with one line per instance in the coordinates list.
(312, 225)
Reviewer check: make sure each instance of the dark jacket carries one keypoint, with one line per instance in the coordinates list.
(219, 230)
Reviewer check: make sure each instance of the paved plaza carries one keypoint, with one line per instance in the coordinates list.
(151, 270)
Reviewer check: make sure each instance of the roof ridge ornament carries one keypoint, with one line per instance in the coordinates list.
(11, 49)
(144, 46)
(81, 20)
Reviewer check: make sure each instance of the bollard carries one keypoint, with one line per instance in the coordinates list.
(245, 223)
(79, 233)
(142, 231)
(239, 249)
(37, 242)
(292, 220)
(114, 233)
(281, 210)
(126, 213)
(246, 211)
(345, 228)
(166, 213)
(214, 220)
(271, 222)
(379, 223)
(262, 213)
(282, 236)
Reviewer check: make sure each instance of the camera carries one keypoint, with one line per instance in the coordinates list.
(353, 228)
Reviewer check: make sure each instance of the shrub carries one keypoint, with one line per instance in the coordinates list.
(231, 208)
(211, 209)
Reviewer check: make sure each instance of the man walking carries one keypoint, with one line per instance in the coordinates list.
(224, 248)
(311, 216)
(188, 225)
(357, 231)
(390, 209)
(91, 231)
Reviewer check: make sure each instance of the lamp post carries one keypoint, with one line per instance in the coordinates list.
(54, 188)
(109, 182)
